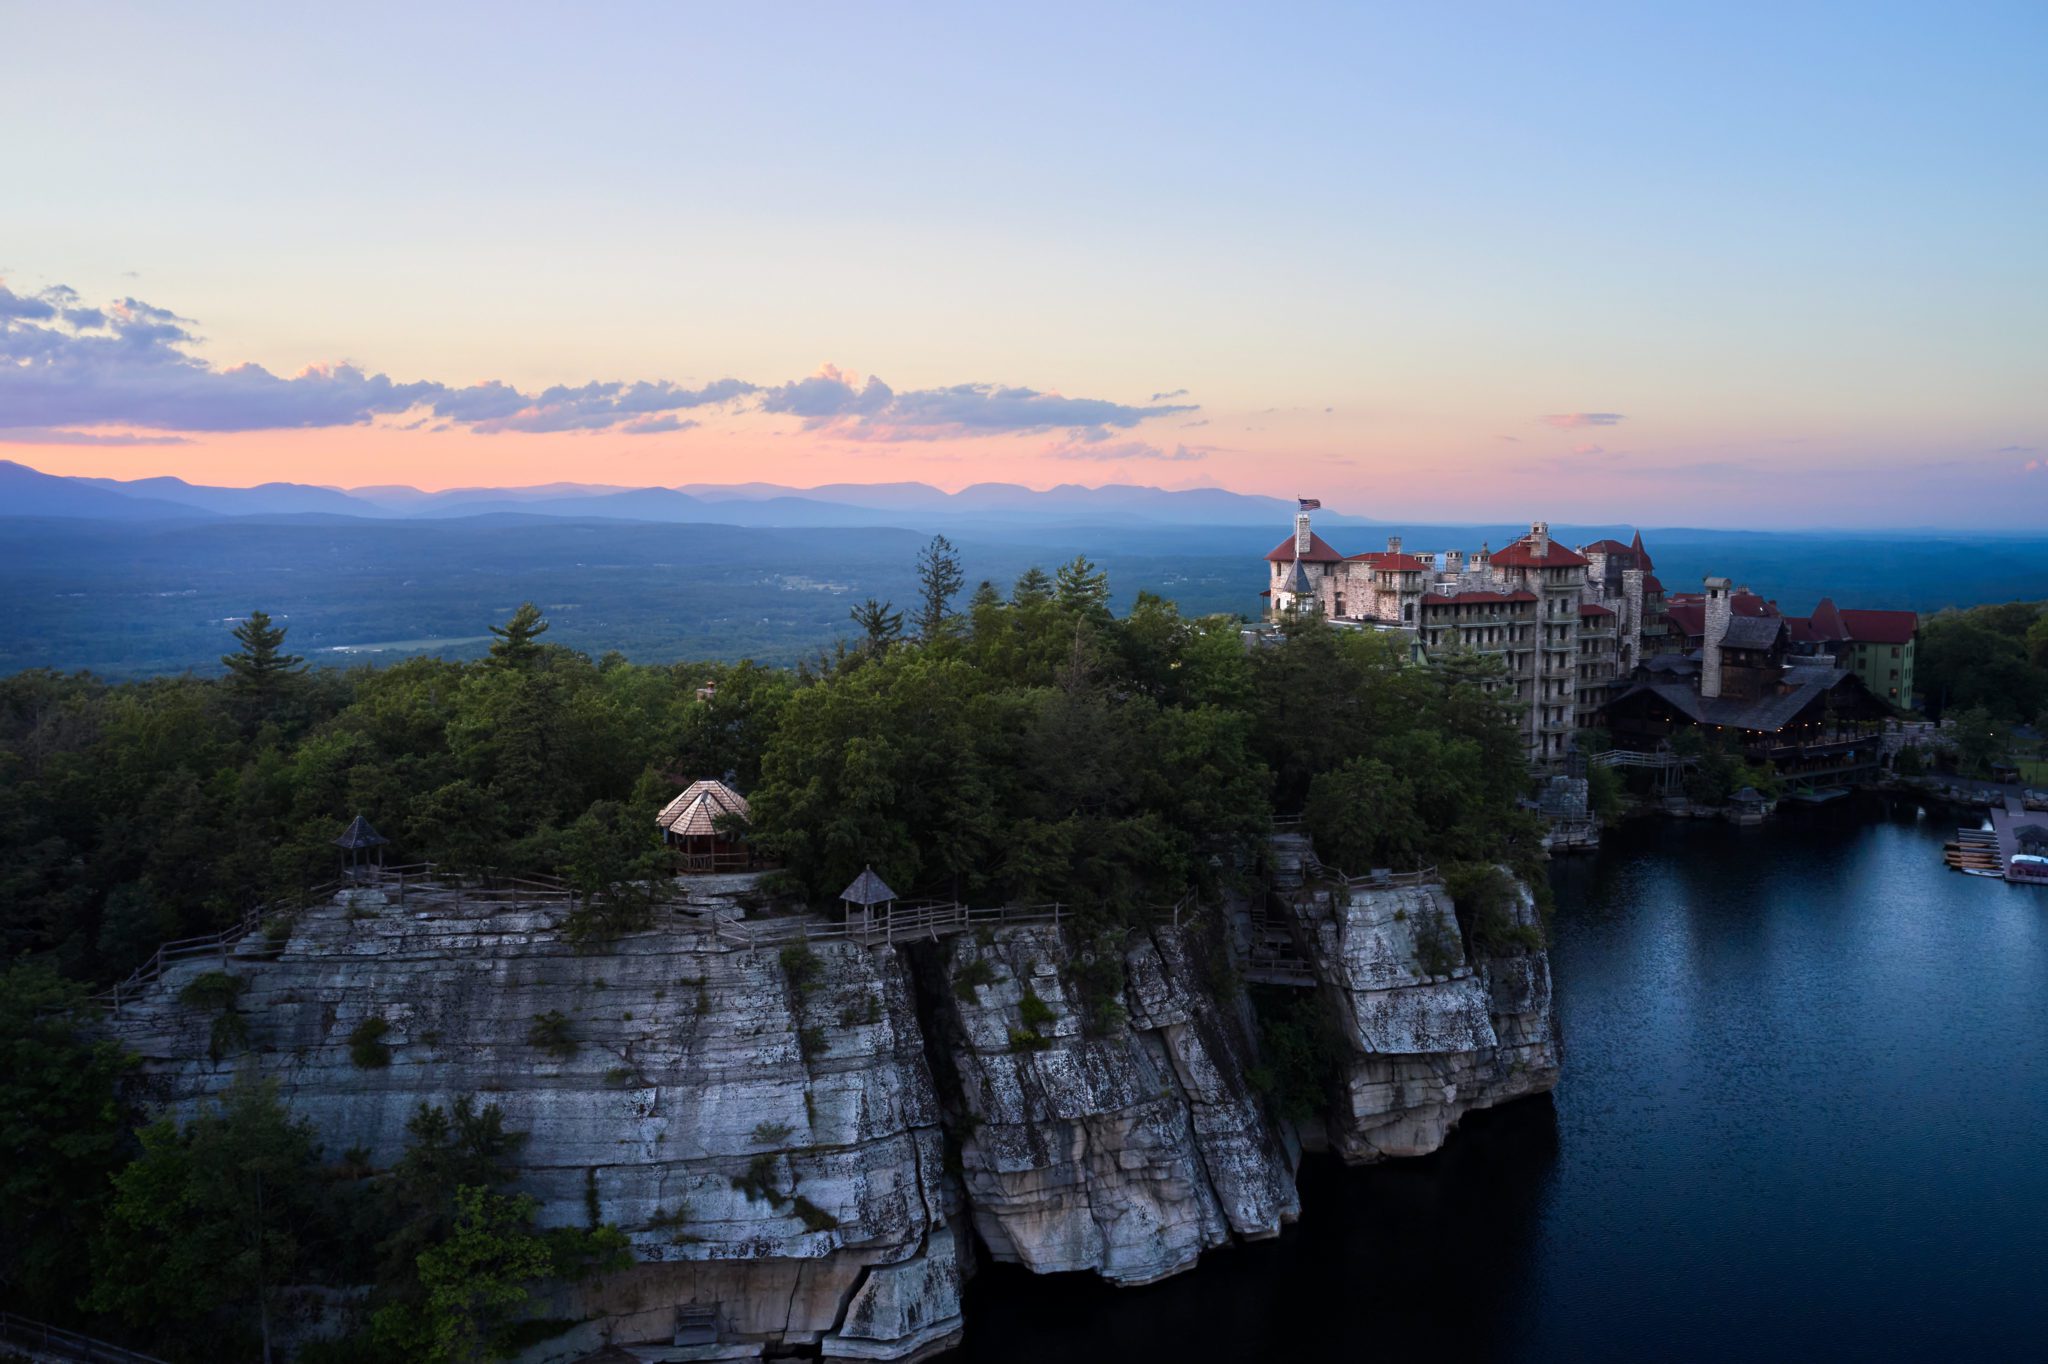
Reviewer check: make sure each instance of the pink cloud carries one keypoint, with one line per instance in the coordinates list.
(1571, 421)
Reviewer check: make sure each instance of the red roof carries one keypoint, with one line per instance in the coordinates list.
(1642, 553)
(1593, 608)
(1474, 598)
(1689, 618)
(1827, 622)
(1880, 627)
(1607, 547)
(1800, 630)
(1386, 561)
(1650, 584)
(1319, 552)
(1750, 604)
(1522, 554)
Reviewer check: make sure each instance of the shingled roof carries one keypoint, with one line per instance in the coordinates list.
(1752, 632)
(1766, 713)
(695, 813)
(867, 889)
(1522, 554)
(359, 835)
(1319, 551)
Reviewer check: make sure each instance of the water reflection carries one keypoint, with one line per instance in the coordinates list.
(1806, 1082)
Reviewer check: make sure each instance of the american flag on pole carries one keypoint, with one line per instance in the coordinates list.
(1310, 503)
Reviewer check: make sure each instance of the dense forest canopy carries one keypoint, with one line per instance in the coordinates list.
(1028, 746)
(1022, 745)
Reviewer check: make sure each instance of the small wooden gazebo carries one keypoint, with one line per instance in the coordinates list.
(698, 824)
(358, 842)
(862, 897)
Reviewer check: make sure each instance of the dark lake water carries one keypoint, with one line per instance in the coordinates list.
(1804, 1114)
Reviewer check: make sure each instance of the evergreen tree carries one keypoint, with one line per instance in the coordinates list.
(939, 580)
(985, 597)
(261, 669)
(880, 627)
(1082, 588)
(516, 645)
(1032, 587)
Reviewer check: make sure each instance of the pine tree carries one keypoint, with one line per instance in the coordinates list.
(261, 669)
(1083, 588)
(1032, 587)
(880, 627)
(516, 646)
(939, 580)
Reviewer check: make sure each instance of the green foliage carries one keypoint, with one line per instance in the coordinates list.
(366, 1045)
(1486, 900)
(1035, 1012)
(214, 991)
(206, 1222)
(968, 977)
(552, 1033)
(939, 580)
(802, 968)
(1980, 739)
(812, 1042)
(1993, 658)
(63, 1126)
(813, 1217)
(518, 640)
(474, 1281)
(1301, 1051)
(1436, 944)
(612, 856)
(879, 626)
(261, 670)
(1604, 792)
(1023, 1039)
(770, 1133)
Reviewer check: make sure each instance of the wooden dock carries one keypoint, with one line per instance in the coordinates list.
(1989, 852)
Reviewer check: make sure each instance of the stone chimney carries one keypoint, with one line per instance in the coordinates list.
(1454, 561)
(1716, 630)
(1483, 557)
(1539, 538)
(1393, 544)
(1300, 534)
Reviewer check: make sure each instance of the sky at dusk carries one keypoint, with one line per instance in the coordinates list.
(1710, 265)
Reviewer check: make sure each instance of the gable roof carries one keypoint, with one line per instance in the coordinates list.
(1522, 554)
(1752, 632)
(1604, 547)
(1319, 552)
(867, 889)
(1827, 622)
(1689, 618)
(695, 813)
(1390, 561)
(1641, 553)
(1593, 608)
(1650, 584)
(1803, 687)
(1879, 627)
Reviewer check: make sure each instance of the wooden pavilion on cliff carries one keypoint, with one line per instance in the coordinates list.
(864, 896)
(706, 826)
(358, 843)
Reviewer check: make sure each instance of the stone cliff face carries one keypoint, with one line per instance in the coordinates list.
(1128, 1153)
(809, 1141)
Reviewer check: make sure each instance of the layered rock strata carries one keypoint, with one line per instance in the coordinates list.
(806, 1138)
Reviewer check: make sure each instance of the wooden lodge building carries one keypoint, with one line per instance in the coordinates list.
(1815, 721)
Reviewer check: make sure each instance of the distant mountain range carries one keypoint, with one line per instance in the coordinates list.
(29, 492)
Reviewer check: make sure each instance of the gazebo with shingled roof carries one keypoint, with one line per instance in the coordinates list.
(358, 840)
(705, 825)
(867, 891)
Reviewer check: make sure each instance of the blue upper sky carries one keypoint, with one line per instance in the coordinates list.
(1772, 264)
